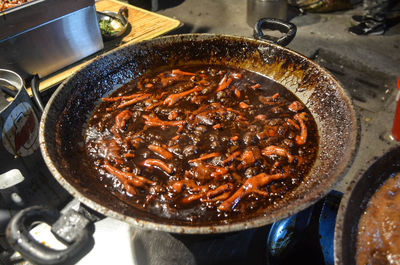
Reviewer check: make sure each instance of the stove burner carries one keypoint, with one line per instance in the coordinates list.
(306, 237)
(244, 247)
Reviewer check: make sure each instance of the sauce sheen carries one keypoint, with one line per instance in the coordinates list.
(201, 143)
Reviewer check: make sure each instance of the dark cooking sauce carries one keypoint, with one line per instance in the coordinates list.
(201, 143)
(378, 240)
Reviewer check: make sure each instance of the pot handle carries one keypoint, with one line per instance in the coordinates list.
(289, 29)
(73, 229)
(124, 14)
(36, 94)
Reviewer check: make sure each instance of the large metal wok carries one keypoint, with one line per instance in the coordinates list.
(76, 98)
(72, 103)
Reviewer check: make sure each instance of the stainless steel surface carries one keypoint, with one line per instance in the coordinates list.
(19, 145)
(35, 13)
(24, 179)
(19, 151)
(257, 9)
(52, 45)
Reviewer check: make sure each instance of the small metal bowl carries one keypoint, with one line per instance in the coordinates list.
(112, 24)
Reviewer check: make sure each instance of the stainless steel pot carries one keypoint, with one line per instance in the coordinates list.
(24, 178)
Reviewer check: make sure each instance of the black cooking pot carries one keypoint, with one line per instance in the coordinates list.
(66, 113)
(355, 202)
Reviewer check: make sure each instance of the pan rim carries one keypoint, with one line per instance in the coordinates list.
(257, 221)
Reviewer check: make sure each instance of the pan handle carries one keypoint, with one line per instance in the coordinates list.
(289, 29)
(124, 14)
(73, 229)
(36, 94)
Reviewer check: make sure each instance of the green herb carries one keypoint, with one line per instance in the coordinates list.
(106, 28)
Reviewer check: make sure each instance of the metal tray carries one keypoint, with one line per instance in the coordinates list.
(43, 36)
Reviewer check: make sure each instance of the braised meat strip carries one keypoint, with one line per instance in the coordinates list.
(5, 4)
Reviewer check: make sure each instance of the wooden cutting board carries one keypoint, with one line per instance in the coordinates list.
(143, 25)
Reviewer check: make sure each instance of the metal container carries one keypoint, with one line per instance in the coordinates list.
(24, 178)
(43, 36)
(257, 9)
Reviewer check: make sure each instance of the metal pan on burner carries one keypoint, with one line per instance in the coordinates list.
(355, 202)
(324, 96)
